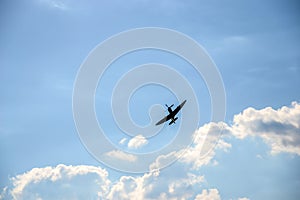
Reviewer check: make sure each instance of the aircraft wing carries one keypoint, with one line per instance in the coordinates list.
(178, 108)
(166, 118)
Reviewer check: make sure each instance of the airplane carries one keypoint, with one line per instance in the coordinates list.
(172, 114)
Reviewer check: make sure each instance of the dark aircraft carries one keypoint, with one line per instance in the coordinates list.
(172, 114)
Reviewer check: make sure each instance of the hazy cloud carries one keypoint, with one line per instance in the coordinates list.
(121, 155)
(122, 141)
(56, 4)
(237, 39)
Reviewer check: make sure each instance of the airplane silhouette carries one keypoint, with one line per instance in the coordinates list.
(172, 114)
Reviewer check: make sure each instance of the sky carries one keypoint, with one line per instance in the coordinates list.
(255, 47)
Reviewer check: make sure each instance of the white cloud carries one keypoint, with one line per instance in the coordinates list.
(121, 155)
(182, 180)
(89, 182)
(179, 188)
(137, 142)
(122, 141)
(129, 187)
(4, 193)
(280, 129)
(163, 160)
(60, 182)
(207, 140)
(211, 194)
(156, 186)
(243, 198)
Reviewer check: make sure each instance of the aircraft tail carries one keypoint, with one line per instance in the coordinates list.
(173, 121)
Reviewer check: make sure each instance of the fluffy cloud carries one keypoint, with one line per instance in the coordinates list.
(208, 139)
(156, 186)
(211, 194)
(183, 180)
(134, 187)
(128, 188)
(61, 182)
(280, 129)
(89, 182)
(137, 142)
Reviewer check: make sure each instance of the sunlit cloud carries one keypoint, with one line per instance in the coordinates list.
(208, 139)
(60, 182)
(280, 129)
(137, 142)
(211, 194)
(182, 180)
(81, 182)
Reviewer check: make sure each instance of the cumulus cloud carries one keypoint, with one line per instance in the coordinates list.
(121, 155)
(280, 128)
(211, 194)
(208, 139)
(137, 142)
(61, 182)
(89, 182)
(183, 180)
(130, 187)
(179, 188)
(163, 160)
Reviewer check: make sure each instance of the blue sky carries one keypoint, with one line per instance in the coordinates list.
(254, 44)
